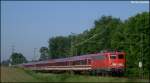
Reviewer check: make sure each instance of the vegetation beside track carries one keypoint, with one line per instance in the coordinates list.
(9, 74)
(80, 78)
(66, 77)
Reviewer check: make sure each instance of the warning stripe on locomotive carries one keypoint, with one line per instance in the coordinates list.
(75, 67)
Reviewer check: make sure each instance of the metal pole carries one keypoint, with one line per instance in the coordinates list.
(71, 48)
(13, 49)
(72, 42)
(34, 57)
(141, 54)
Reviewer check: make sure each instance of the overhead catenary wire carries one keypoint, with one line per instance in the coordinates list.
(87, 40)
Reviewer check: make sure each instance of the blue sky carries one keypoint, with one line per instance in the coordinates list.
(30, 24)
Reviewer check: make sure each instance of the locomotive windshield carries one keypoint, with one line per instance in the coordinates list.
(113, 57)
(120, 56)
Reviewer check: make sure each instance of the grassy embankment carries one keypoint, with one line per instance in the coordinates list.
(10, 74)
(20, 75)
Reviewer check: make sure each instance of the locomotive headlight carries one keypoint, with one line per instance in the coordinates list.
(114, 64)
(120, 64)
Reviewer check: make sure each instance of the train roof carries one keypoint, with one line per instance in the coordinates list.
(81, 57)
(88, 56)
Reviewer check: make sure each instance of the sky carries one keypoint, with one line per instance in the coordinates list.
(29, 24)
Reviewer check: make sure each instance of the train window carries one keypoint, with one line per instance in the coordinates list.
(120, 56)
(82, 62)
(74, 62)
(113, 57)
(89, 61)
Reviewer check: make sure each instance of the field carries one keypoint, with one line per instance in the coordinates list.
(9, 74)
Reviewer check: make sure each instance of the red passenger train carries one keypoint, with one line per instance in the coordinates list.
(98, 62)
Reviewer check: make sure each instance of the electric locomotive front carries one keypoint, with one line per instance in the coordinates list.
(113, 62)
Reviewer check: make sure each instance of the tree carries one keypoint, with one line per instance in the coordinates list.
(138, 35)
(59, 47)
(44, 53)
(17, 58)
(5, 62)
(133, 36)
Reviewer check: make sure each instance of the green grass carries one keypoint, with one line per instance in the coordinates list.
(10, 74)
(65, 77)
(24, 75)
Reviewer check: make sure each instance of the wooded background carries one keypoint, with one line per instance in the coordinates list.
(110, 33)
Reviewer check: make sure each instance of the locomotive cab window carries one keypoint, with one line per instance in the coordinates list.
(120, 56)
(113, 57)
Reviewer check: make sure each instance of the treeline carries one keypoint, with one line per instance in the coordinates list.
(109, 33)
(14, 59)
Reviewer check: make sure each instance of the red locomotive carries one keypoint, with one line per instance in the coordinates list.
(98, 62)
